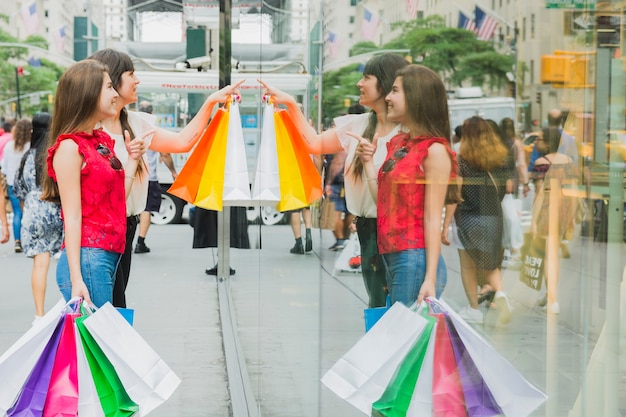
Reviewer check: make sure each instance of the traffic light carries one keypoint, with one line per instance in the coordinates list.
(20, 71)
(13, 107)
(538, 97)
(50, 99)
(346, 102)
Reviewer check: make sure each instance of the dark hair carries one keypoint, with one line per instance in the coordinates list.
(75, 103)
(356, 109)
(458, 131)
(384, 67)
(551, 138)
(21, 134)
(118, 63)
(507, 128)
(38, 146)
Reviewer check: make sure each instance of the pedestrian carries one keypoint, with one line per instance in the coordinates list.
(153, 203)
(6, 135)
(4, 224)
(555, 169)
(335, 191)
(482, 176)
(14, 150)
(296, 218)
(87, 178)
(377, 80)
(138, 124)
(412, 185)
(42, 226)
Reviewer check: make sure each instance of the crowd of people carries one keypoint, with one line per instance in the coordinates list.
(82, 180)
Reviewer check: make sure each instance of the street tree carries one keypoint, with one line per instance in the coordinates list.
(339, 92)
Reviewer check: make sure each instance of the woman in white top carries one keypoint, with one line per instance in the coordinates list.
(378, 77)
(11, 159)
(137, 124)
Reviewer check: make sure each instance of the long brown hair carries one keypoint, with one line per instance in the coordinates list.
(21, 134)
(118, 63)
(77, 99)
(384, 68)
(481, 146)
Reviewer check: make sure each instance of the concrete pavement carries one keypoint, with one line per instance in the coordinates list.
(295, 319)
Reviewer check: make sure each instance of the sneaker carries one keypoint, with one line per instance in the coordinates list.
(515, 263)
(471, 315)
(298, 249)
(18, 247)
(553, 308)
(565, 254)
(503, 306)
(308, 243)
(141, 248)
(213, 271)
(339, 245)
(542, 301)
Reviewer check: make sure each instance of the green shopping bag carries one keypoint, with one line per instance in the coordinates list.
(114, 399)
(396, 399)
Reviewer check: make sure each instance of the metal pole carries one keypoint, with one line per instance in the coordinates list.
(17, 88)
(321, 70)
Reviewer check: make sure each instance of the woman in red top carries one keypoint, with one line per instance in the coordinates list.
(87, 178)
(411, 185)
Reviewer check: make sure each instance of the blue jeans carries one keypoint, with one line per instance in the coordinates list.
(17, 214)
(405, 275)
(98, 269)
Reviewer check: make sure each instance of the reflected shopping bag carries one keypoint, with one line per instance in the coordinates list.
(351, 250)
(266, 188)
(31, 399)
(18, 361)
(285, 172)
(361, 375)
(512, 237)
(219, 172)
(145, 376)
(515, 395)
(373, 314)
(187, 181)
(113, 398)
(62, 397)
(398, 395)
(533, 259)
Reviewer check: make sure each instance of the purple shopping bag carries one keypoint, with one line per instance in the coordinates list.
(479, 401)
(31, 399)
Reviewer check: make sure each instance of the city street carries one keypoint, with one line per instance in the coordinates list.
(295, 317)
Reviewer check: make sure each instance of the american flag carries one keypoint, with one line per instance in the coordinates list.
(30, 17)
(466, 23)
(369, 25)
(59, 38)
(486, 25)
(411, 8)
(333, 44)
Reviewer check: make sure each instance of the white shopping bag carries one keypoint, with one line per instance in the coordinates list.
(146, 377)
(17, 362)
(266, 187)
(362, 374)
(351, 250)
(88, 401)
(512, 235)
(236, 180)
(515, 395)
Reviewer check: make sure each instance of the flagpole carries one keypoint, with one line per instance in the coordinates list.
(17, 88)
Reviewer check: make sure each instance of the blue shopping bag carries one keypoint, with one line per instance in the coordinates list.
(372, 315)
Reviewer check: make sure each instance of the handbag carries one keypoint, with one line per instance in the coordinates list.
(533, 259)
(328, 215)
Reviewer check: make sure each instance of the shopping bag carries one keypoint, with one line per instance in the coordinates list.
(309, 175)
(515, 395)
(266, 188)
(533, 258)
(512, 237)
(113, 398)
(361, 375)
(479, 401)
(351, 250)
(373, 314)
(328, 215)
(18, 361)
(236, 179)
(88, 400)
(396, 399)
(448, 397)
(187, 181)
(31, 399)
(422, 399)
(62, 396)
(145, 376)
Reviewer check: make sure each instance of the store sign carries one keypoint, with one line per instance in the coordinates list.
(571, 4)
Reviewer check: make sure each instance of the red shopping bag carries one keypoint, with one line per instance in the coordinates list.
(62, 397)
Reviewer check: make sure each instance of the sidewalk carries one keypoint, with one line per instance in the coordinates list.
(295, 319)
